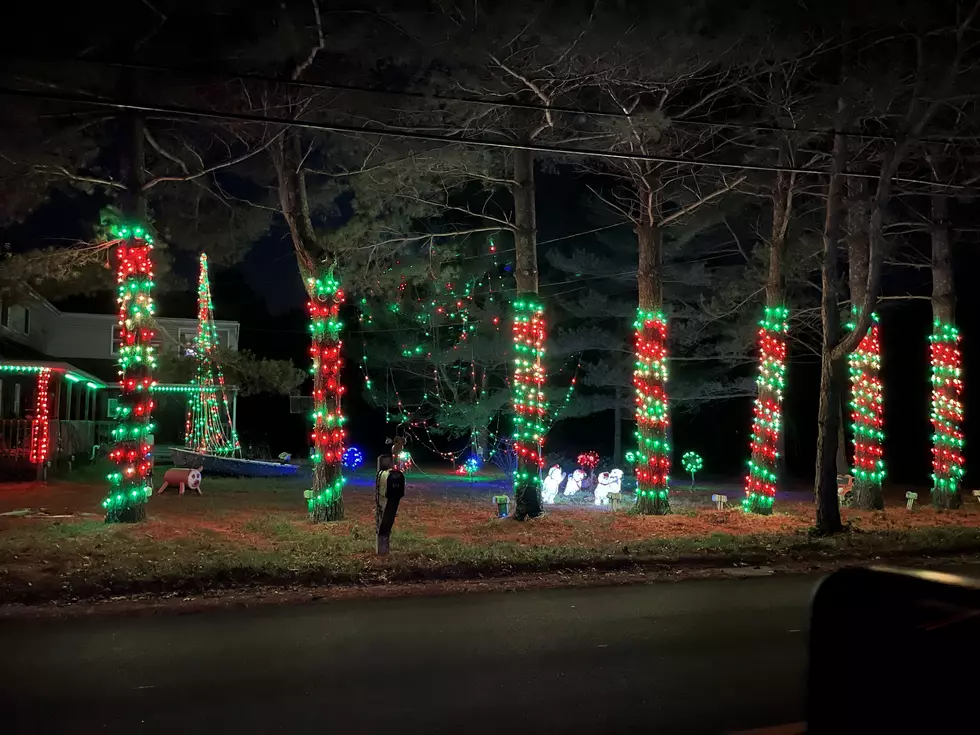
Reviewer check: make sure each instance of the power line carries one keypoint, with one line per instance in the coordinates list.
(192, 113)
(514, 105)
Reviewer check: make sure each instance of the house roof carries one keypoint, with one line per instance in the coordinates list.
(71, 372)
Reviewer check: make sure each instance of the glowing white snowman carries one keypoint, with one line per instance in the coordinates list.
(610, 483)
(574, 483)
(551, 484)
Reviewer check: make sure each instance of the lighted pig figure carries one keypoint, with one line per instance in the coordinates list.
(574, 483)
(551, 484)
(609, 483)
(183, 479)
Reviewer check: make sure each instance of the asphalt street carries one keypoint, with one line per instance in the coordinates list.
(688, 657)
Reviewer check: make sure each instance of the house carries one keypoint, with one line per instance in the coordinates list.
(57, 379)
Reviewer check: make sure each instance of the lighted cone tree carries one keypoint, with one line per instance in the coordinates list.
(946, 415)
(131, 479)
(767, 419)
(652, 455)
(209, 424)
(325, 499)
(530, 405)
(867, 415)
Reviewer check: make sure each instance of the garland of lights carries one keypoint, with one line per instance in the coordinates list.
(760, 482)
(652, 456)
(530, 406)
(130, 483)
(40, 426)
(867, 409)
(209, 424)
(325, 500)
(946, 414)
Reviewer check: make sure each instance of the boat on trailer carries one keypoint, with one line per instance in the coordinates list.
(214, 464)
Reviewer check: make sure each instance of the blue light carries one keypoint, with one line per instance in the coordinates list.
(353, 458)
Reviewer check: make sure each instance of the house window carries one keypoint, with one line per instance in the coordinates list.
(187, 339)
(16, 402)
(112, 405)
(187, 342)
(4, 315)
(117, 340)
(27, 321)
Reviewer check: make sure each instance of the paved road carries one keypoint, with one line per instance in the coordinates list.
(700, 656)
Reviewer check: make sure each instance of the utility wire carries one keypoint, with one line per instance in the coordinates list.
(479, 101)
(194, 113)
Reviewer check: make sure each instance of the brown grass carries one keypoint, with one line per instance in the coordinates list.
(243, 532)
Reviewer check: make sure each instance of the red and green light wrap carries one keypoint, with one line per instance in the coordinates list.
(131, 481)
(767, 419)
(328, 438)
(652, 456)
(867, 407)
(946, 414)
(529, 404)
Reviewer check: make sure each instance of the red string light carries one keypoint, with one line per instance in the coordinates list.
(41, 426)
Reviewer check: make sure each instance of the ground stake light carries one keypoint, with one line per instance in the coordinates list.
(911, 497)
(692, 463)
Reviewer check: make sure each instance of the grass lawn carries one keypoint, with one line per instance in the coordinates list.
(248, 532)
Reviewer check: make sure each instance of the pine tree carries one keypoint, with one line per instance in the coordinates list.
(435, 343)
(594, 319)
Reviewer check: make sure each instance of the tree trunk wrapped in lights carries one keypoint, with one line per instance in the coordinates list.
(652, 456)
(530, 405)
(947, 371)
(767, 420)
(131, 480)
(325, 498)
(527, 387)
(867, 418)
(867, 403)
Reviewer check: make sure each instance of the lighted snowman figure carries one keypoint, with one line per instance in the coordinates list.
(551, 484)
(574, 483)
(610, 483)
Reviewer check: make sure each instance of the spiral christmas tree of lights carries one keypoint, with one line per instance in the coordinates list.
(209, 426)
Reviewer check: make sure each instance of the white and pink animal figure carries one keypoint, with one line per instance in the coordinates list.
(551, 484)
(574, 483)
(610, 483)
(183, 479)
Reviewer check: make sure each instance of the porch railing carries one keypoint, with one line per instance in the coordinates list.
(67, 438)
(15, 439)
